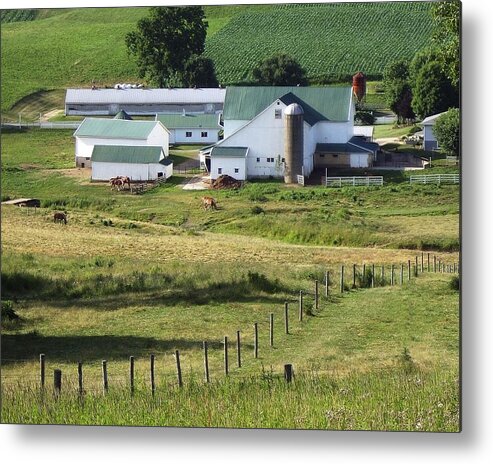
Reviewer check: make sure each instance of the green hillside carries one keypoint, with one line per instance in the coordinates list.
(73, 47)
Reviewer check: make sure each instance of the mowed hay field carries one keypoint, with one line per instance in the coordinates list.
(154, 273)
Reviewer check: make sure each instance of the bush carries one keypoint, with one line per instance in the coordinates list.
(8, 311)
(455, 283)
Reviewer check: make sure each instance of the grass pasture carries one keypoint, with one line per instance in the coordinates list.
(135, 275)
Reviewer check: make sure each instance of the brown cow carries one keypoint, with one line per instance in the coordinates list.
(60, 217)
(209, 203)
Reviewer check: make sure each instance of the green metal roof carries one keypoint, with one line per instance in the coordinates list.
(189, 121)
(115, 128)
(122, 114)
(126, 154)
(229, 152)
(319, 103)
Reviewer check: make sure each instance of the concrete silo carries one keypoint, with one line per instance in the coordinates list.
(293, 143)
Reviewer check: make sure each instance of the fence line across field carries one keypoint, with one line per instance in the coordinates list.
(363, 276)
(435, 179)
(352, 181)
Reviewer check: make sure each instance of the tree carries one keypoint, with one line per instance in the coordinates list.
(398, 90)
(165, 41)
(280, 69)
(432, 91)
(446, 37)
(447, 131)
(199, 72)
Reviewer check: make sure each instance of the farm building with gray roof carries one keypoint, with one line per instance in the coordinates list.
(108, 102)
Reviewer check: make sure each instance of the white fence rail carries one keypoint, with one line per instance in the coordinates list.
(435, 179)
(352, 181)
(42, 125)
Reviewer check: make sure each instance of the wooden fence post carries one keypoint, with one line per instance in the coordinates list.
(132, 375)
(408, 269)
(392, 275)
(300, 316)
(226, 365)
(422, 262)
(105, 376)
(342, 279)
(271, 329)
(42, 370)
(326, 283)
(316, 294)
(238, 348)
(428, 258)
(455, 268)
(372, 276)
(286, 320)
(206, 362)
(416, 264)
(363, 280)
(79, 374)
(255, 340)
(402, 274)
(153, 384)
(354, 275)
(434, 263)
(288, 372)
(57, 382)
(178, 368)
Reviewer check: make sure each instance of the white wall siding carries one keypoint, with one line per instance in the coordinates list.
(85, 145)
(358, 160)
(264, 136)
(227, 166)
(136, 172)
(180, 136)
(333, 132)
(159, 136)
(232, 125)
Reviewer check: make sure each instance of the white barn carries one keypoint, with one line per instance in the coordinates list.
(191, 128)
(108, 102)
(121, 132)
(429, 140)
(138, 163)
(255, 121)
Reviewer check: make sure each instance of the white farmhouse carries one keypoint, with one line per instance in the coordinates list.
(429, 139)
(137, 163)
(191, 128)
(120, 132)
(257, 123)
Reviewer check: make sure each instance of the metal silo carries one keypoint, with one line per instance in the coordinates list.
(293, 143)
(359, 86)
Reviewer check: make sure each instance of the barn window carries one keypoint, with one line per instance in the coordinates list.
(258, 160)
(160, 174)
(203, 134)
(335, 156)
(219, 170)
(237, 170)
(270, 160)
(278, 113)
(87, 158)
(283, 160)
(188, 134)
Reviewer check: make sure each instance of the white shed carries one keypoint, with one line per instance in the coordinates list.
(229, 161)
(138, 163)
(429, 139)
(100, 131)
(191, 128)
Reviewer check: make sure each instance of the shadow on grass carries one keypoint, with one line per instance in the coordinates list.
(28, 347)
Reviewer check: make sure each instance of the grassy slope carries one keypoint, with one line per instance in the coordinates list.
(88, 291)
(74, 47)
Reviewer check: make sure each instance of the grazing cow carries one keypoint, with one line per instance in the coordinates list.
(116, 182)
(209, 203)
(125, 180)
(60, 217)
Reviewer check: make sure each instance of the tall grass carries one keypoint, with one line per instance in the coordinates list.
(393, 399)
